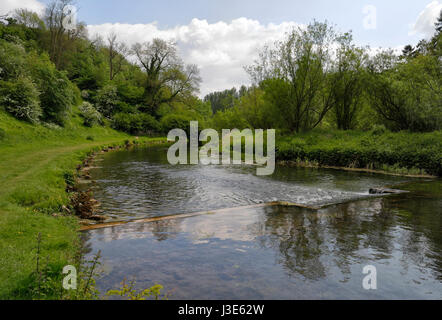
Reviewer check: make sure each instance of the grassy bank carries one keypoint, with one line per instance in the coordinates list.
(400, 153)
(34, 160)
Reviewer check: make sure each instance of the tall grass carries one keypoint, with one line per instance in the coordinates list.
(34, 163)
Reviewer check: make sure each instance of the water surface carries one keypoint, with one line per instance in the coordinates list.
(265, 252)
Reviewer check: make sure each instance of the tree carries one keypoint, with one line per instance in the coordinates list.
(253, 108)
(408, 95)
(167, 78)
(299, 66)
(117, 53)
(3, 19)
(348, 84)
(438, 24)
(28, 18)
(60, 39)
(222, 100)
(57, 93)
(86, 65)
(436, 41)
(408, 52)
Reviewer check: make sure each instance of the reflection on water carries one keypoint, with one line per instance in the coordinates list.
(276, 252)
(141, 183)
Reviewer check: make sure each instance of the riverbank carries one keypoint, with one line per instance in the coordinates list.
(402, 153)
(388, 171)
(35, 162)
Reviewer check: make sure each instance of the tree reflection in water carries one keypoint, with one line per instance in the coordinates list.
(286, 252)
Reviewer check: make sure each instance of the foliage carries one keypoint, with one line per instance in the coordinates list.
(12, 61)
(175, 121)
(21, 99)
(135, 123)
(28, 18)
(45, 282)
(295, 75)
(130, 93)
(371, 150)
(57, 92)
(34, 160)
(167, 78)
(256, 111)
(86, 66)
(59, 42)
(408, 96)
(35, 88)
(107, 100)
(228, 119)
(347, 81)
(222, 100)
(127, 291)
(90, 114)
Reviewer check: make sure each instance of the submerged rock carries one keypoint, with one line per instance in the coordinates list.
(97, 217)
(384, 191)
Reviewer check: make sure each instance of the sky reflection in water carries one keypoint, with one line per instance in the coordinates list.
(267, 252)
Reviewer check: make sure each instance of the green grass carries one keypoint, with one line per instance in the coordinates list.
(35, 159)
(401, 153)
(33, 162)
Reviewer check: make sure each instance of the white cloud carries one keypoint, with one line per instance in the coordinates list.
(426, 19)
(220, 49)
(7, 6)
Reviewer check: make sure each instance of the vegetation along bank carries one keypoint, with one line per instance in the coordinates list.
(65, 93)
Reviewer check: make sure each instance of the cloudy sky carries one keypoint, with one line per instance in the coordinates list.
(222, 36)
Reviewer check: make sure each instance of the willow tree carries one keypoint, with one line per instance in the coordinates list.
(168, 79)
(295, 75)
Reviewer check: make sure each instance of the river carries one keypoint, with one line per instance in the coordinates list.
(258, 251)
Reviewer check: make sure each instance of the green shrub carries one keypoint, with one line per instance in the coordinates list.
(107, 100)
(228, 119)
(12, 61)
(90, 115)
(122, 122)
(393, 150)
(175, 121)
(2, 134)
(57, 92)
(123, 107)
(149, 124)
(130, 93)
(135, 123)
(378, 129)
(20, 98)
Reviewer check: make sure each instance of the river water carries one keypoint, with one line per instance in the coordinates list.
(265, 252)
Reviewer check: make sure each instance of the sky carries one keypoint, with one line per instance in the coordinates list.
(223, 36)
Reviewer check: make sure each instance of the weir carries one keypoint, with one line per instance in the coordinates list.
(194, 214)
